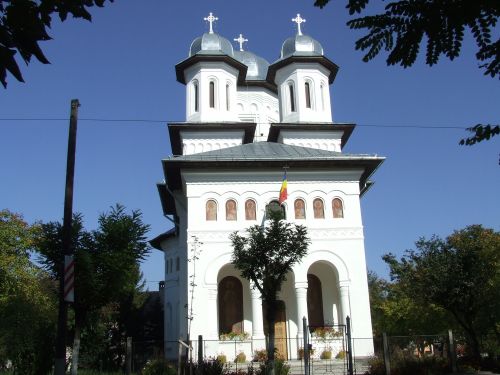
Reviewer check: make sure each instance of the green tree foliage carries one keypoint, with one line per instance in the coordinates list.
(24, 23)
(460, 275)
(441, 24)
(27, 300)
(395, 311)
(264, 256)
(107, 276)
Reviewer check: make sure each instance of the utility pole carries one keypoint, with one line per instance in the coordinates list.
(60, 360)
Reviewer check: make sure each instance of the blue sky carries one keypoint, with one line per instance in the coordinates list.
(121, 66)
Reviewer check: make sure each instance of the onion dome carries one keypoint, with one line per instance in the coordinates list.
(301, 45)
(257, 66)
(211, 44)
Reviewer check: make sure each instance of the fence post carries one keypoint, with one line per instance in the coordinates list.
(452, 352)
(385, 349)
(200, 349)
(128, 369)
(349, 346)
(306, 346)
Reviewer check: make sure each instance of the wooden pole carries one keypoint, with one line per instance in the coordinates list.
(60, 360)
(387, 358)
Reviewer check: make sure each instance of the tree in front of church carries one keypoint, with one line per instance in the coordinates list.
(107, 280)
(24, 23)
(460, 275)
(264, 256)
(405, 25)
(28, 300)
(395, 311)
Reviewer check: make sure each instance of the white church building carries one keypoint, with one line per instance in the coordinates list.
(247, 121)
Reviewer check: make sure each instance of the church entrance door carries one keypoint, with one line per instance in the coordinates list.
(280, 338)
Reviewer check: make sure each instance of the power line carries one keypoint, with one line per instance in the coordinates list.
(407, 126)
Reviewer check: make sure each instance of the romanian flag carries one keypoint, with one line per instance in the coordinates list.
(283, 191)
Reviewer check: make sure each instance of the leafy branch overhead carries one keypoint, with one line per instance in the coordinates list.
(442, 24)
(24, 23)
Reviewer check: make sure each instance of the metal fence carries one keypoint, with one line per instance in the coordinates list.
(329, 355)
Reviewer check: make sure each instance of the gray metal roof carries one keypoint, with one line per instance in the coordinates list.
(211, 43)
(269, 151)
(257, 66)
(301, 45)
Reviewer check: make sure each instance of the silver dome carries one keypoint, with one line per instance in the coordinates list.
(301, 45)
(257, 66)
(211, 44)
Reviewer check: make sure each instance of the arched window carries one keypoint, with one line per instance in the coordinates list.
(322, 90)
(211, 94)
(314, 302)
(250, 210)
(274, 206)
(196, 93)
(337, 208)
(230, 298)
(231, 210)
(211, 210)
(227, 97)
(300, 209)
(292, 97)
(308, 94)
(319, 210)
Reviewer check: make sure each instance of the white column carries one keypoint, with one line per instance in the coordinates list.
(301, 293)
(212, 313)
(344, 301)
(257, 317)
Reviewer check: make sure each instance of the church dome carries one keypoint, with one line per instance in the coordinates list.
(301, 45)
(257, 66)
(211, 44)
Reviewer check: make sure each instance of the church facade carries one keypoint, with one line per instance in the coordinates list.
(248, 121)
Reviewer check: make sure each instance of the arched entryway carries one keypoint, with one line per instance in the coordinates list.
(230, 305)
(323, 297)
(314, 301)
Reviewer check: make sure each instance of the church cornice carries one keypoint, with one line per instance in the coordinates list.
(346, 128)
(175, 128)
(316, 234)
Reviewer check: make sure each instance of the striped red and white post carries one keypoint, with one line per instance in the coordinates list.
(69, 278)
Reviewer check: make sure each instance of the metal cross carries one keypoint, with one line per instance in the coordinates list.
(241, 40)
(298, 20)
(211, 18)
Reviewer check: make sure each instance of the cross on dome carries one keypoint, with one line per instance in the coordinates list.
(298, 20)
(240, 40)
(211, 19)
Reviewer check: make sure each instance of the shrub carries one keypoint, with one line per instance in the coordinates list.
(300, 353)
(280, 368)
(158, 366)
(376, 366)
(210, 367)
(409, 365)
(326, 354)
(260, 355)
(341, 354)
(240, 358)
(221, 358)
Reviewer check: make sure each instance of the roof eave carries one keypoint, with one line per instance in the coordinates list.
(183, 65)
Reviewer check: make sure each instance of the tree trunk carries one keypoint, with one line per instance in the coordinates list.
(271, 319)
(76, 350)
